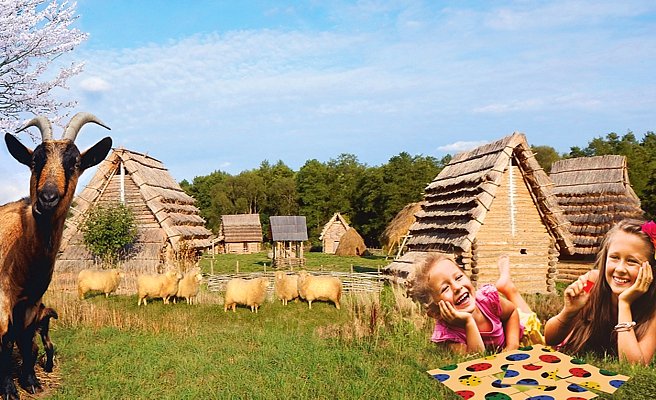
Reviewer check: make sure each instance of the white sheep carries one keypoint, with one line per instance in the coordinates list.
(286, 286)
(328, 288)
(250, 292)
(157, 286)
(189, 286)
(105, 281)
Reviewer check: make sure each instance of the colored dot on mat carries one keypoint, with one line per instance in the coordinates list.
(590, 385)
(526, 348)
(441, 377)
(511, 373)
(548, 349)
(496, 396)
(573, 387)
(616, 383)
(490, 357)
(505, 366)
(541, 397)
(549, 358)
(549, 375)
(606, 372)
(498, 384)
(465, 394)
(479, 367)
(579, 372)
(531, 367)
(517, 357)
(578, 361)
(576, 398)
(470, 380)
(527, 381)
(449, 367)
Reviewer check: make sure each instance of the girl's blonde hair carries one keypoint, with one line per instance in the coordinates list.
(419, 288)
(594, 331)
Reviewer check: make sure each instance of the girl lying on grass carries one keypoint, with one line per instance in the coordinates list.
(617, 315)
(470, 320)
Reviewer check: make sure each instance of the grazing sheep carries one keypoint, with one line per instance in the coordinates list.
(157, 286)
(328, 288)
(190, 286)
(286, 287)
(250, 292)
(104, 281)
(30, 234)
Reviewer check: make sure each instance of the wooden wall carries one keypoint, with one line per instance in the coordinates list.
(242, 248)
(530, 246)
(332, 236)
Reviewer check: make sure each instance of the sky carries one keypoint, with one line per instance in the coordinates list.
(224, 85)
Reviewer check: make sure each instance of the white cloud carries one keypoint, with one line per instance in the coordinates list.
(94, 84)
(460, 146)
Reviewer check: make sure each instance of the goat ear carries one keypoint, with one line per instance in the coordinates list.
(18, 150)
(96, 153)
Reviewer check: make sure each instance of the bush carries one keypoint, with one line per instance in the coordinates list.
(109, 231)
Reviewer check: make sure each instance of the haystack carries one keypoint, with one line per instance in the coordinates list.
(398, 228)
(351, 244)
(493, 200)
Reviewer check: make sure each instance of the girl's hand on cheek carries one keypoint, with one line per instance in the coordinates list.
(640, 286)
(451, 316)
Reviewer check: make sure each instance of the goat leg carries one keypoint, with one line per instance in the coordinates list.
(27, 377)
(7, 387)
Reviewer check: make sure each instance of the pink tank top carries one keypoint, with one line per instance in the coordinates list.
(487, 300)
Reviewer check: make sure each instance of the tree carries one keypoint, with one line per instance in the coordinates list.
(108, 231)
(33, 33)
(545, 156)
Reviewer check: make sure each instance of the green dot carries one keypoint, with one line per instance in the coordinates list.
(449, 367)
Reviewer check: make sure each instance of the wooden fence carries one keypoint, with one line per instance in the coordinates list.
(352, 282)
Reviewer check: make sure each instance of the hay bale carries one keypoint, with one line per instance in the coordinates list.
(399, 226)
(351, 244)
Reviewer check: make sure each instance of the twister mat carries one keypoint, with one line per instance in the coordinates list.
(535, 372)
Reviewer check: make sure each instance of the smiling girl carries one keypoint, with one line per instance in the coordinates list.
(470, 320)
(617, 316)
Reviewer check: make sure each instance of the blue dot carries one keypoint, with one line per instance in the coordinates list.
(616, 383)
(573, 387)
(441, 377)
(498, 384)
(511, 373)
(527, 381)
(541, 397)
(517, 357)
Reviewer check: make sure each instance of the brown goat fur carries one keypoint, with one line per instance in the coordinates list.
(30, 235)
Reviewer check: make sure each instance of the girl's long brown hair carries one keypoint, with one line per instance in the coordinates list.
(594, 327)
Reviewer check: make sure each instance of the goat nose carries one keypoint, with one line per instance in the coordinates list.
(49, 196)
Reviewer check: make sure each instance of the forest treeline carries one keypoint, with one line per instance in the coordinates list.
(370, 196)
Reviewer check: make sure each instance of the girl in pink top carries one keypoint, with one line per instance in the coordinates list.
(470, 320)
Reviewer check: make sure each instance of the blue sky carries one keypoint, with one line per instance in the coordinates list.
(224, 85)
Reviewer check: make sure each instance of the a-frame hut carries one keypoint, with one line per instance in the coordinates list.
(351, 244)
(240, 234)
(332, 233)
(395, 235)
(491, 201)
(594, 193)
(288, 234)
(167, 221)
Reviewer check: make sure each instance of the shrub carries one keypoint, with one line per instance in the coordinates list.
(109, 231)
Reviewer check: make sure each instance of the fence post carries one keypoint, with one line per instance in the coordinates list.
(265, 268)
(237, 270)
(212, 266)
(351, 268)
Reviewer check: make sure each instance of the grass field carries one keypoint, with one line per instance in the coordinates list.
(375, 347)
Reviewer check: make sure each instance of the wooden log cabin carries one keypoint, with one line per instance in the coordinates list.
(594, 193)
(240, 234)
(490, 201)
(332, 233)
(167, 221)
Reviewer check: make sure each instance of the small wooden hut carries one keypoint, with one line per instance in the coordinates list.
(351, 244)
(332, 233)
(491, 201)
(167, 220)
(240, 234)
(395, 234)
(288, 234)
(594, 193)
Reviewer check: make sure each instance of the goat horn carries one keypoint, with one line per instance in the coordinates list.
(43, 124)
(76, 123)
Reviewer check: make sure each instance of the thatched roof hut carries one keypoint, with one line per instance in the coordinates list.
(167, 220)
(332, 232)
(399, 227)
(491, 201)
(240, 233)
(288, 234)
(594, 193)
(351, 244)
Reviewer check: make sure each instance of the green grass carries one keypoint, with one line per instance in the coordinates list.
(373, 348)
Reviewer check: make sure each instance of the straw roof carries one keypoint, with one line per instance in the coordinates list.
(164, 213)
(351, 244)
(458, 199)
(399, 226)
(594, 193)
(240, 228)
(336, 219)
(288, 228)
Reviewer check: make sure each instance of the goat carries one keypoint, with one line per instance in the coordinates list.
(43, 329)
(30, 235)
